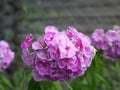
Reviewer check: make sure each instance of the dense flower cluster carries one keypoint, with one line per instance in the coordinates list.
(58, 55)
(109, 42)
(6, 55)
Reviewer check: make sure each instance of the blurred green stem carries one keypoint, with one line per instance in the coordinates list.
(22, 79)
(68, 85)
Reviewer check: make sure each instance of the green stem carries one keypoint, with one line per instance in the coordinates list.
(22, 79)
(68, 85)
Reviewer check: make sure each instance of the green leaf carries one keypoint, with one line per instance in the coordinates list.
(79, 83)
(24, 7)
(2, 87)
(6, 81)
(99, 62)
(90, 77)
(57, 85)
(103, 80)
(46, 85)
(33, 85)
(68, 85)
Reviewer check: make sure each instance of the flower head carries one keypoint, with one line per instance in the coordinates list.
(109, 42)
(58, 55)
(6, 55)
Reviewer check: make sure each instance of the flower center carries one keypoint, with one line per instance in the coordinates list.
(67, 48)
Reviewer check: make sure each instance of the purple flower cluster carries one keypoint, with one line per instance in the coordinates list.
(109, 42)
(6, 55)
(58, 55)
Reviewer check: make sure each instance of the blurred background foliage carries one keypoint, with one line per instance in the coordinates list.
(19, 17)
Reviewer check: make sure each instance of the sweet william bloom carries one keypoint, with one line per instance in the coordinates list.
(27, 42)
(50, 32)
(6, 55)
(27, 57)
(98, 35)
(66, 47)
(109, 43)
(109, 54)
(112, 36)
(38, 44)
(71, 32)
(98, 38)
(116, 28)
(58, 55)
(54, 52)
(43, 68)
(74, 64)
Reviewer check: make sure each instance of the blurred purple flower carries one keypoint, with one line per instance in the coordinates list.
(109, 42)
(111, 36)
(6, 55)
(98, 35)
(116, 28)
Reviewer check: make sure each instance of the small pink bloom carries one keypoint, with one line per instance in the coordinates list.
(4, 44)
(43, 68)
(28, 57)
(71, 32)
(38, 44)
(42, 54)
(98, 35)
(27, 42)
(112, 35)
(50, 32)
(67, 48)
